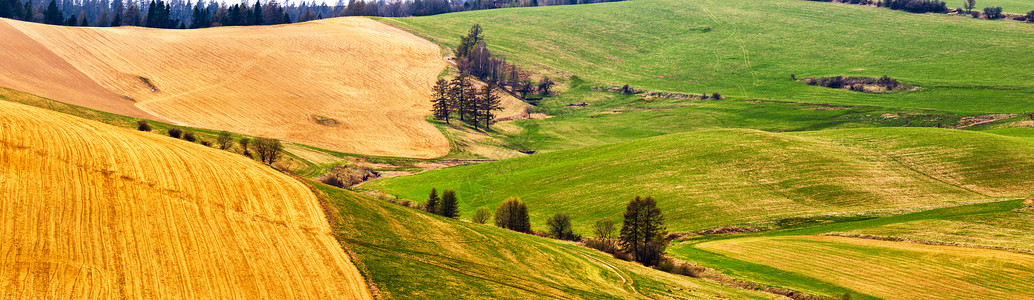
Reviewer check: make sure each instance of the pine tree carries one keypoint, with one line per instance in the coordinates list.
(450, 205)
(256, 14)
(642, 234)
(441, 103)
(487, 103)
(432, 202)
(53, 15)
(459, 94)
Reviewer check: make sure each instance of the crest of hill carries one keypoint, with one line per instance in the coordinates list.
(93, 211)
(720, 178)
(371, 81)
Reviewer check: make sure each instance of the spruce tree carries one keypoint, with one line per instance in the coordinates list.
(256, 14)
(441, 103)
(53, 15)
(449, 206)
(432, 202)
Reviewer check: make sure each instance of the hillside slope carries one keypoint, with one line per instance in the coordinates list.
(94, 211)
(346, 84)
(410, 254)
(749, 49)
(733, 177)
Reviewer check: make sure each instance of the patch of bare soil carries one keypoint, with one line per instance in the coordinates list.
(982, 119)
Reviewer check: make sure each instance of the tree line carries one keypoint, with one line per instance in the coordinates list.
(642, 237)
(183, 14)
(941, 7)
(266, 150)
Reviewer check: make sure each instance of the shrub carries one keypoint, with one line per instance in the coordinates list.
(206, 143)
(143, 126)
(975, 14)
(1030, 17)
(331, 179)
(608, 246)
(993, 13)
(175, 132)
(189, 136)
(481, 215)
(716, 96)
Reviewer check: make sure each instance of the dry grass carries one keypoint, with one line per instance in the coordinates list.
(892, 270)
(373, 79)
(93, 211)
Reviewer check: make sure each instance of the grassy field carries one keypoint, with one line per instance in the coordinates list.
(345, 84)
(1009, 6)
(861, 267)
(748, 49)
(410, 254)
(95, 211)
(891, 270)
(732, 177)
(613, 117)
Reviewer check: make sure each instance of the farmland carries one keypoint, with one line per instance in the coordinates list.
(349, 84)
(719, 178)
(410, 255)
(95, 211)
(748, 49)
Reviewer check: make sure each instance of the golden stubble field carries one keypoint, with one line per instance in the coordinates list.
(345, 84)
(90, 211)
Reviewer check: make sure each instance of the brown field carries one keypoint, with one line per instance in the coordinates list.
(89, 211)
(368, 84)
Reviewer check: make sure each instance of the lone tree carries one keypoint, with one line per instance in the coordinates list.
(432, 202)
(512, 214)
(560, 227)
(642, 234)
(481, 215)
(969, 5)
(441, 105)
(545, 85)
(604, 229)
(143, 126)
(449, 206)
(268, 149)
(224, 140)
(993, 13)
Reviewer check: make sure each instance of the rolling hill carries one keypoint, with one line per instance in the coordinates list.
(718, 178)
(94, 211)
(409, 254)
(346, 84)
(749, 49)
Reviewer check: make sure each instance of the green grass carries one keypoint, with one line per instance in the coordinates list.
(410, 254)
(994, 224)
(1009, 6)
(891, 270)
(613, 117)
(748, 49)
(718, 178)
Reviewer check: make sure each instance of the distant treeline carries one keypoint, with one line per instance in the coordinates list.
(185, 14)
(940, 7)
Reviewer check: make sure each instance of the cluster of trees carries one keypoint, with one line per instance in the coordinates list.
(187, 14)
(474, 58)
(474, 105)
(445, 205)
(642, 236)
(268, 150)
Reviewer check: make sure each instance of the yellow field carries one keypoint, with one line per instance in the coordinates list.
(374, 81)
(92, 211)
(892, 270)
